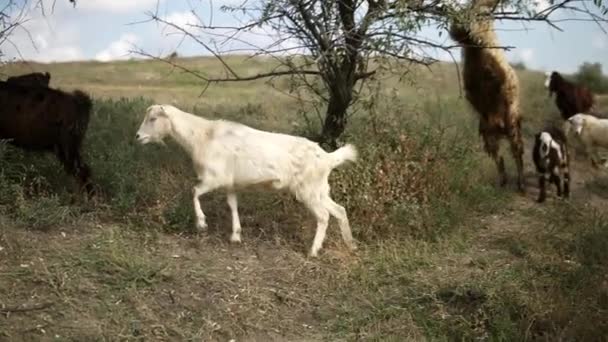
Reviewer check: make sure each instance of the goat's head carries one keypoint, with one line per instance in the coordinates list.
(460, 33)
(578, 122)
(551, 81)
(545, 143)
(155, 127)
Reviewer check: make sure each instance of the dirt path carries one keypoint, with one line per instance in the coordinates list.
(588, 186)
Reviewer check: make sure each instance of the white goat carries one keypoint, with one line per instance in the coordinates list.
(227, 155)
(593, 133)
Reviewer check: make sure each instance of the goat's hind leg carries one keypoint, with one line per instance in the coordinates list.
(542, 192)
(322, 215)
(339, 213)
(491, 146)
(69, 155)
(236, 222)
(566, 178)
(517, 151)
(555, 179)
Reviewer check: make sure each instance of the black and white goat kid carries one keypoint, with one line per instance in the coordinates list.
(552, 162)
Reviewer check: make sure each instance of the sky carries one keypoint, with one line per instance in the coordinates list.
(107, 30)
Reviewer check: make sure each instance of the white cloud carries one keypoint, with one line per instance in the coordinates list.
(170, 38)
(119, 49)
(40, 39)
(117, 6)
(182, 19)
(600, 41)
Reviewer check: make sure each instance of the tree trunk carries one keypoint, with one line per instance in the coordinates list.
(335, 121)
(340, 96)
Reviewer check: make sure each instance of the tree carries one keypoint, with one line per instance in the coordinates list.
(519, 65)
(590, 74)
(9, 20)
(14, 13)
(344, 43)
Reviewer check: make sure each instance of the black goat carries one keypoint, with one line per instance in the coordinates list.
(44, 119)
(33, 79)
(570, 98)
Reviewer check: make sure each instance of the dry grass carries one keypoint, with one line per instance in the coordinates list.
(445, 255)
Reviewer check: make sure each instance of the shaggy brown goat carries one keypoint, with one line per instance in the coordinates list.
(570, 98)
(33, 79)
(491, 87)
(44, 119)
(550, 156)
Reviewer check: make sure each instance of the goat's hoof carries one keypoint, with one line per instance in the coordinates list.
(313, 254)
(201, 225)
(235, 238)
(352, 246)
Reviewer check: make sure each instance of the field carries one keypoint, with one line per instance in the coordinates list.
(445, 254)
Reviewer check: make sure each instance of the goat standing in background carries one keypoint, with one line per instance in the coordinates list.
(570, 98)
(550, 155)
(592, 132)
(227, 155)
(33, 79)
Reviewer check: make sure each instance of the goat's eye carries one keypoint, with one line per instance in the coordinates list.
(152, 119)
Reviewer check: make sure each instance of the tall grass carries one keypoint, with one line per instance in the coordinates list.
(419, 193)
(409, 171)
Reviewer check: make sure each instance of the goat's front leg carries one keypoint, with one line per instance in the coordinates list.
(236, 223)
(542, 193)
(566, 175)
(594, 156)
(555, 179)
(200, 189)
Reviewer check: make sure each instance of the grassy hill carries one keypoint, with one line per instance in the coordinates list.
(445, 254)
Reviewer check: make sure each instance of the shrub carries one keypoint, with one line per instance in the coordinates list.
(519, 66)
(590, 74)
(412, 179)
(413, 176)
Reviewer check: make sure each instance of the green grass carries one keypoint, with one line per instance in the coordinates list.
(445, 253)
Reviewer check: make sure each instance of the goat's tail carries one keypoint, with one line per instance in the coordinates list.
(347, 152)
